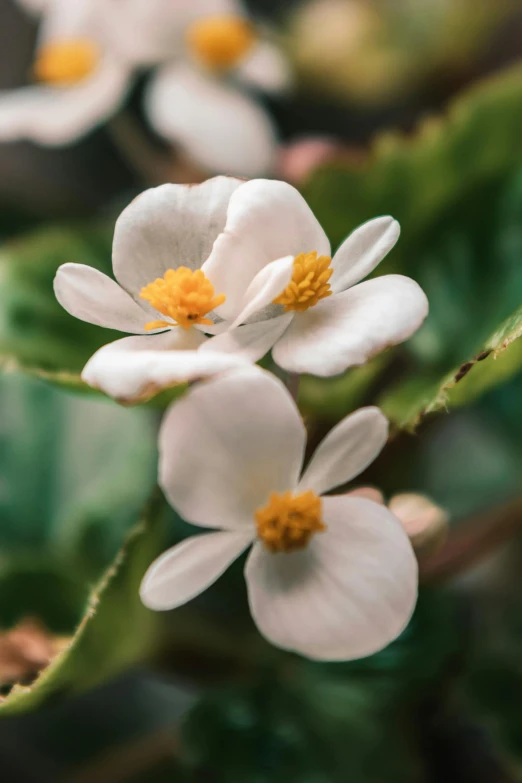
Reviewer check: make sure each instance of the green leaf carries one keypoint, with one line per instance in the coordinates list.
(116, 629)
(418, 178)
(36, 333)
(499, 359)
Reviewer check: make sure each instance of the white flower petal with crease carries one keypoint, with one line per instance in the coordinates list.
(347, 329)
(266, 220)
(364, 249)
(136, 368)
(183, 572)
(219, 127)
(346, 451)
(228, 444)
(168, 227)
(346, 596)
(91, 296)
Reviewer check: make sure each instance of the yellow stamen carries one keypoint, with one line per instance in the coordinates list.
(66, 62)
(184, 296)
(309, 283)
(288, 522)
(220, 42)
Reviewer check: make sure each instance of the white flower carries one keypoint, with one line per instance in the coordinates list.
(332, 578)
(325, 320)
(89, 50)
(205, 258)
(172, 227)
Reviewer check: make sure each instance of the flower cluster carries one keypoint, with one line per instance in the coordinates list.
(206, 56)
(210, 278)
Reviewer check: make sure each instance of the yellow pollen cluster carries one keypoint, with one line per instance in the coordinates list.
(288, 522)
(182, 295)
(66, 62)
(309, 283)
(220, 42)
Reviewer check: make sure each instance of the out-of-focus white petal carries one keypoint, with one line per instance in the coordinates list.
(251, 341)
(347, 329)
(363, 251)
(266, 220)
(58, 115)
(151, 31)
(136, 368)
(183, 572)
(67, 20)
(219, 127)
(266, 68)
(168, 227)
(91, 296)
(348, 595)
(346, 451)
(227, 445)
(35, 6)
(265, 287)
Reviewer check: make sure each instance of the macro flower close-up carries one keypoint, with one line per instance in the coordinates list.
(330, 577)
(260, 386)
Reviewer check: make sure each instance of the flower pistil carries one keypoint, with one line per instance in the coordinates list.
(309, 283)
(184, 296)
(66, 62)
(288, 521)
(220, 42)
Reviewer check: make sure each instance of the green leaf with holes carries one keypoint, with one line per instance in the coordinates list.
(499, 359)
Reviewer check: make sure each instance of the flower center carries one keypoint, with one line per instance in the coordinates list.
(66, 62)
(220, 42)
(184, 296)
(288, 522)
(309, 283)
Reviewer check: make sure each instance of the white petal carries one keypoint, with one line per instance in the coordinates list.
(136, 368)
(91, 296)
(346, 451)
(151, 31)
(168, 227)
(58, 115)
(265, 287)
(347, 329)
(266, 68)
(68, 20)
(219, 127)
(363, 251)
(228, 444)
(252, 341)
(186, 570)
(348, 595)
(266, 220)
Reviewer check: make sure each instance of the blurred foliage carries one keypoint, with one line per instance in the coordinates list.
(116, 629)
(310, 722)
(375, 52)
(36, 333)
(456, 188)
(75, 474)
